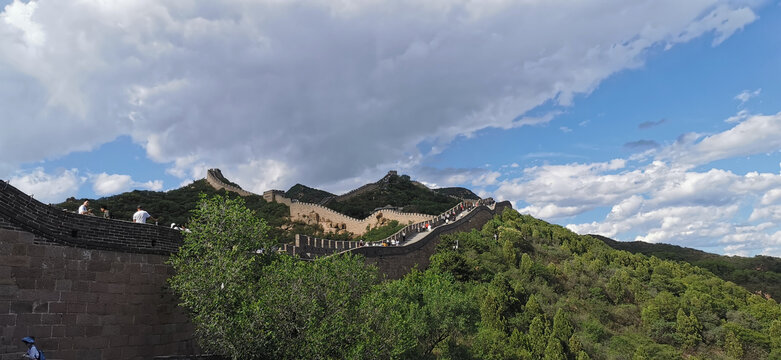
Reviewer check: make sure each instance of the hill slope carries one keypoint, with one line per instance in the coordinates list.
(394, 190)
(541, 291)
(757, 274)
(307, 194)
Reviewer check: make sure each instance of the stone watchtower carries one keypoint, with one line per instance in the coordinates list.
(277, 196)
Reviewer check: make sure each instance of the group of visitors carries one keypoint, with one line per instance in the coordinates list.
(140, 216)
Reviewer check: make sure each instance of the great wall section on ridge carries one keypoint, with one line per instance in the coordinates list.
(329, 219)
(94, 288)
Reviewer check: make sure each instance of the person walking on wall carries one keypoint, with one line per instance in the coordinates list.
(32, 351)
(140, 216)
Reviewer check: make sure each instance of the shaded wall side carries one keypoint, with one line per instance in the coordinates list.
(86, 303)
(395, 262)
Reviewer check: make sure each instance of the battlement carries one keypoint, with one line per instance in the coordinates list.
(19, 211)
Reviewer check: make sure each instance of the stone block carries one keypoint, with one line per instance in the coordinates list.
(58, 331)
(77, 308)
(51, 319)
(41, 307)
(7, 319)
(72, 331)
(63, 285)
(21, 261)
(21, 307)
(58, 307)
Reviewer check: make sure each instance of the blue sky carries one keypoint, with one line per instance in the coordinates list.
(662, 124)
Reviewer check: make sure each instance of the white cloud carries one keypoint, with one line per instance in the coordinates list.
(757, 134)
(45, 187)
(746, 95)
(317, 91)
(109, 184)
(666, 199)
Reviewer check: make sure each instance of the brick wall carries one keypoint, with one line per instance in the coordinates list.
(84, 286)
(86, 303)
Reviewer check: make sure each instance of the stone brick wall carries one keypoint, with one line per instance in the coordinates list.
(86, 287)
(87, 304)
(332, 220)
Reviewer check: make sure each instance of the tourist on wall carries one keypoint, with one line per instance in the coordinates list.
(84, 210)
(32, 351)
(105, 211)
(141, 216)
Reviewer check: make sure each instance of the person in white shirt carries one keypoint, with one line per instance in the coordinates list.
(83, 210)
(140, 216)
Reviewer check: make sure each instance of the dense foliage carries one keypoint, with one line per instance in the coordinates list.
(549, 293)
(518, 289)
(760, 274)
(397, 191)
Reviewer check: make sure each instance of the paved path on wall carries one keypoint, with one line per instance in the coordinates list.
(419, 236)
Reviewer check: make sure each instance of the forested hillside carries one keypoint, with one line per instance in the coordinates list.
(518, 289)
(757, 274)
(397, 191)
(307, 194)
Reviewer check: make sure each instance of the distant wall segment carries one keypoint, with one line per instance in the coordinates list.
(213, 177)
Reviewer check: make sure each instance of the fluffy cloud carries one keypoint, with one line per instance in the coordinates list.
(105, 184)
(316, 91)
(47, 187)
(665, 199)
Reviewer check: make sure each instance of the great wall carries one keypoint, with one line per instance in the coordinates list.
(94, 288)
(318, 214)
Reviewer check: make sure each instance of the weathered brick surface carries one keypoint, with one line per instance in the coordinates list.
(84, 303)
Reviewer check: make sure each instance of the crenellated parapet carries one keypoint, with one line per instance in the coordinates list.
(19, 211)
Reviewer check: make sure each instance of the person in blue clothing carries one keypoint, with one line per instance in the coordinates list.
(32, 351)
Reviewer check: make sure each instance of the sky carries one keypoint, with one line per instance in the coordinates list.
(651, 120)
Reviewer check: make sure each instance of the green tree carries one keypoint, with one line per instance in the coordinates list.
(536, 338)
(732, 345)
(249, 303)
(688, 329)
(554, 350)
(409, 318)
(216, 268)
